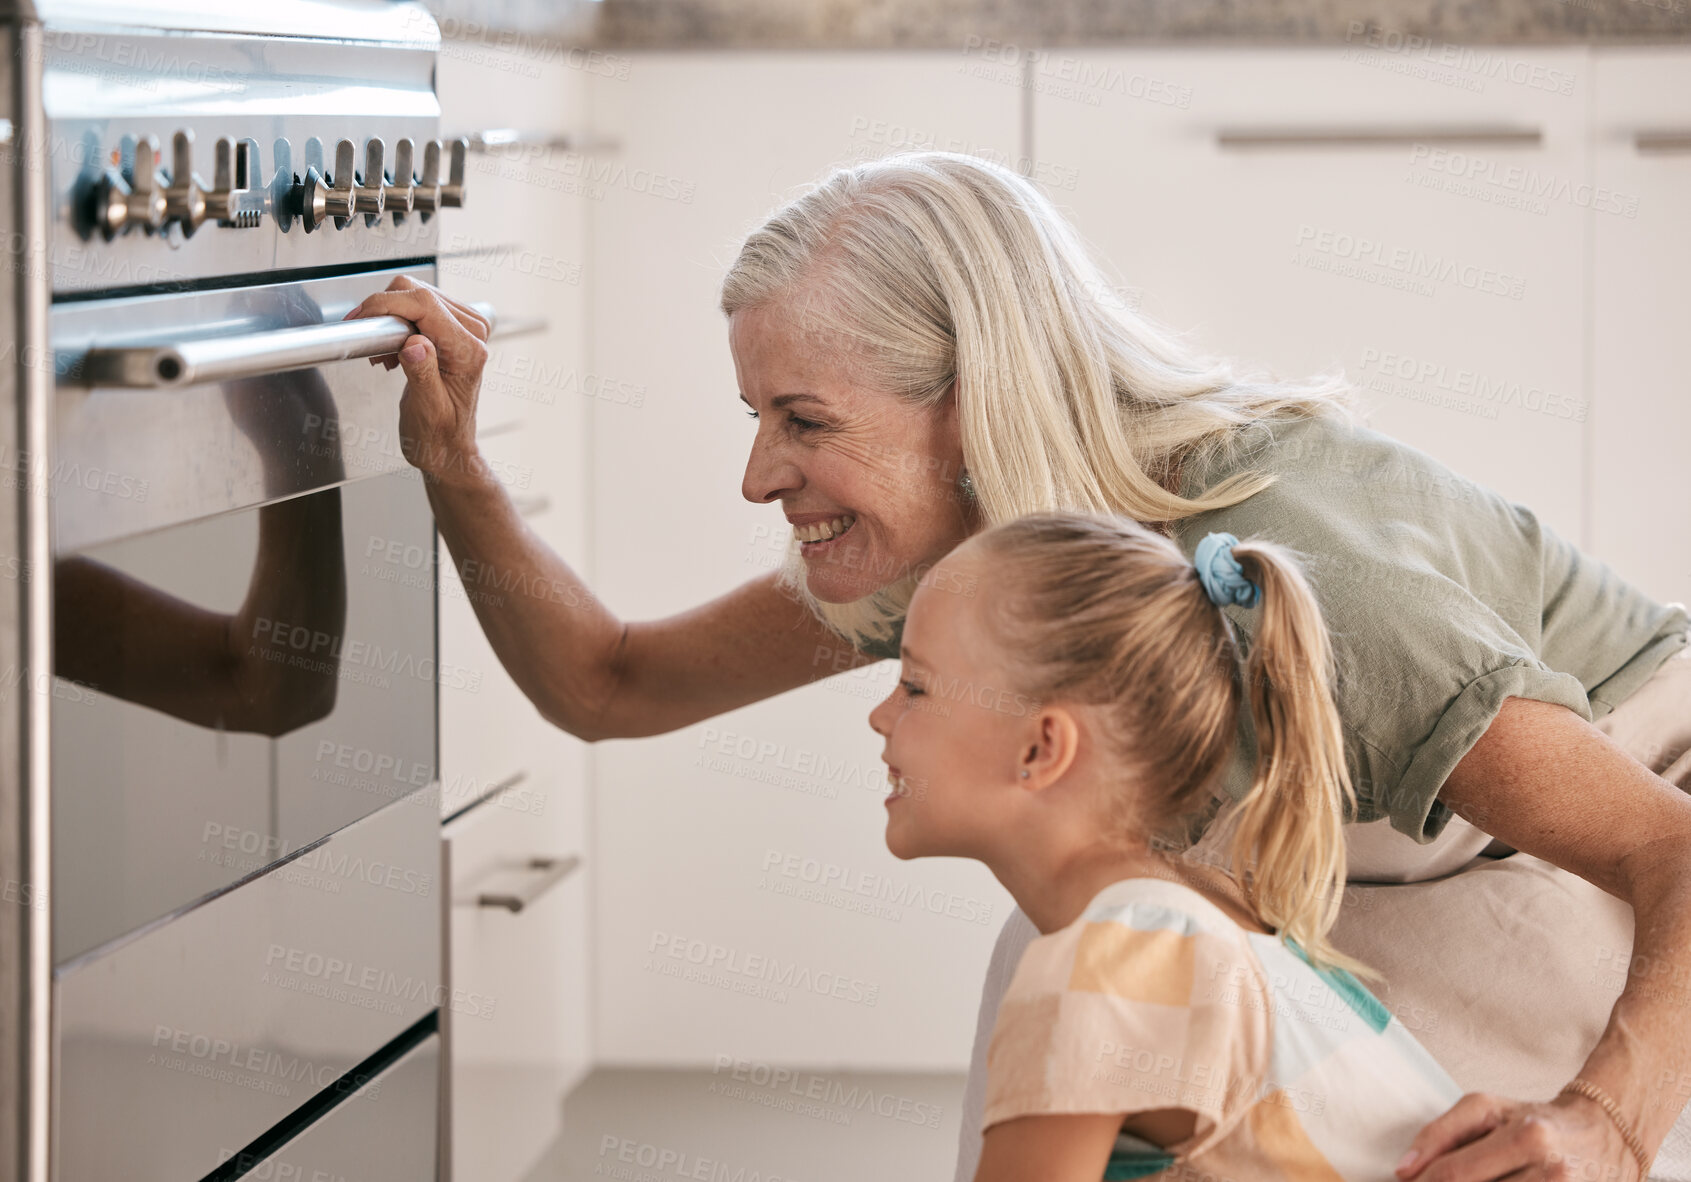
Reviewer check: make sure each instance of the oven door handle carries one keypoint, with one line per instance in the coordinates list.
(255, 354)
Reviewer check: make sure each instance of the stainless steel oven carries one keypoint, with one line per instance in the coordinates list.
(220, 915)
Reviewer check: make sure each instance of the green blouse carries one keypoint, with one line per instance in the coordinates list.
(1443, 598)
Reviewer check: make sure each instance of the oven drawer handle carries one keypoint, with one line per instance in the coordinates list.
(547, 872)
(253, 355)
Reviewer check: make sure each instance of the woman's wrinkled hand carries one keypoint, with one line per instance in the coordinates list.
(443, 361)
(1484, 1138)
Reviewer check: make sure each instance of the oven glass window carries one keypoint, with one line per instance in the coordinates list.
(233, 689)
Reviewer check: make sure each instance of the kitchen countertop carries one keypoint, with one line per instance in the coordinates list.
(953, 24)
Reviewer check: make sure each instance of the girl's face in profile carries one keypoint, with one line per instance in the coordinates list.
(950, 725)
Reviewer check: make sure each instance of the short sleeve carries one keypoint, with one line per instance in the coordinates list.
(1435, 591)
(1137, 1008)
(1424, 666)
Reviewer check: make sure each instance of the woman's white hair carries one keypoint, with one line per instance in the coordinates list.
(928, 268)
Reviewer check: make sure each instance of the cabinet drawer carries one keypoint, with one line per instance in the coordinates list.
(1317, 209)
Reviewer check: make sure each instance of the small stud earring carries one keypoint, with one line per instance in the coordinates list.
(966, 485)
(1024, 773)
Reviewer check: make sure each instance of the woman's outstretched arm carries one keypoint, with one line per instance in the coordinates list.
(584, 669)
(599, 677)
(1550, 784)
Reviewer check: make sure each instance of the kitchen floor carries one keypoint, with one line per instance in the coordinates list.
(753, 1121)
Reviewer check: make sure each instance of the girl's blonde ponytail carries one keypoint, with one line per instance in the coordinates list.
(1287, 843)
(1097, 608)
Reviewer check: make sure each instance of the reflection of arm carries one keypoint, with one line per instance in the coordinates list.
(134, 641)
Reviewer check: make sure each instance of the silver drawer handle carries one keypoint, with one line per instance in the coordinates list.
(1662, 141)
(1353, 137)
(541, 873)
(490, 138)
(255, 354)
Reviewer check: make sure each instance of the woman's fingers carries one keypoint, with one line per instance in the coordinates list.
(472, 322)
(1474, 1115)
(443, 361)
(461, 348)
(1525, 1146)
(478, 325)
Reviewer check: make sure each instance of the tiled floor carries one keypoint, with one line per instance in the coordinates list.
(756, 1124)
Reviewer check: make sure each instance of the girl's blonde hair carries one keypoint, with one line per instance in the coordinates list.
(928, 268)
(1097, 609)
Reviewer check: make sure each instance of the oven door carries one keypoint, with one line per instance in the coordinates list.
(244, 819)
(244, 633)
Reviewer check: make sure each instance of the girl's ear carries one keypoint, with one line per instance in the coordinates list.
(1058, 744)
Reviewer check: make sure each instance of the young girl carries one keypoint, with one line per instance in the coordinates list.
(1064, 725)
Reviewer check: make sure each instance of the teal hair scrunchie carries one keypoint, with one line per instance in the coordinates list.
(1223, 578)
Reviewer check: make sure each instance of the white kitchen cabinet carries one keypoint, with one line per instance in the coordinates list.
(1444, 274)
(1641, 401)
(703, 840)
(516, 922)
(517, 1017)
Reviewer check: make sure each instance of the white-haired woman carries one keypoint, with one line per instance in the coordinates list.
(928, 349)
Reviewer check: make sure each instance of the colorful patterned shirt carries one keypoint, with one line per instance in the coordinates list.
(1155, 998)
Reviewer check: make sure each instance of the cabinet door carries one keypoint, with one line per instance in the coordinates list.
(699, 845)
(1419, 219)
(517, 1030)
(515, 1016)
(1641, 401)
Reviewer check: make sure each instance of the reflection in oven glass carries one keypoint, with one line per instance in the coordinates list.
(233, 689)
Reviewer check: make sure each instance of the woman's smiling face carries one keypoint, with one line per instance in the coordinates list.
(840, 457)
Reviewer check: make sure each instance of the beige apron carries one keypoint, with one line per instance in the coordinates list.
(1519, 1023)
(1518, 1018)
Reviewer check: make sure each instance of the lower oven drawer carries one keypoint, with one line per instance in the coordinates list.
(385, 1131)
(185, 1042)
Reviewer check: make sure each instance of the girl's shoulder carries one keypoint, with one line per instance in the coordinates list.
(1150, 999)
(1163, 903)
(1150, 939)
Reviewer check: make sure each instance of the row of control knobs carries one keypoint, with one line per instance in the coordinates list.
(139, 195)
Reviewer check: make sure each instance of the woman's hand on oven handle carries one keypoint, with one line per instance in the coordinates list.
(443, 363)
(1484, 1138)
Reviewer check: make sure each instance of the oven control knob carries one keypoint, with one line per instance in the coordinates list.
(134, 200)
(397, 197)
(452, 192)
(184, 199)
(367, 193)
(425, 198)
(318, 198)
(232, 200)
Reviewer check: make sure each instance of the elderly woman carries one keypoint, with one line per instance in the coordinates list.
(926, 346)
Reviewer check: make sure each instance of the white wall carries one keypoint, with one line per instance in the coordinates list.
(683, 846)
